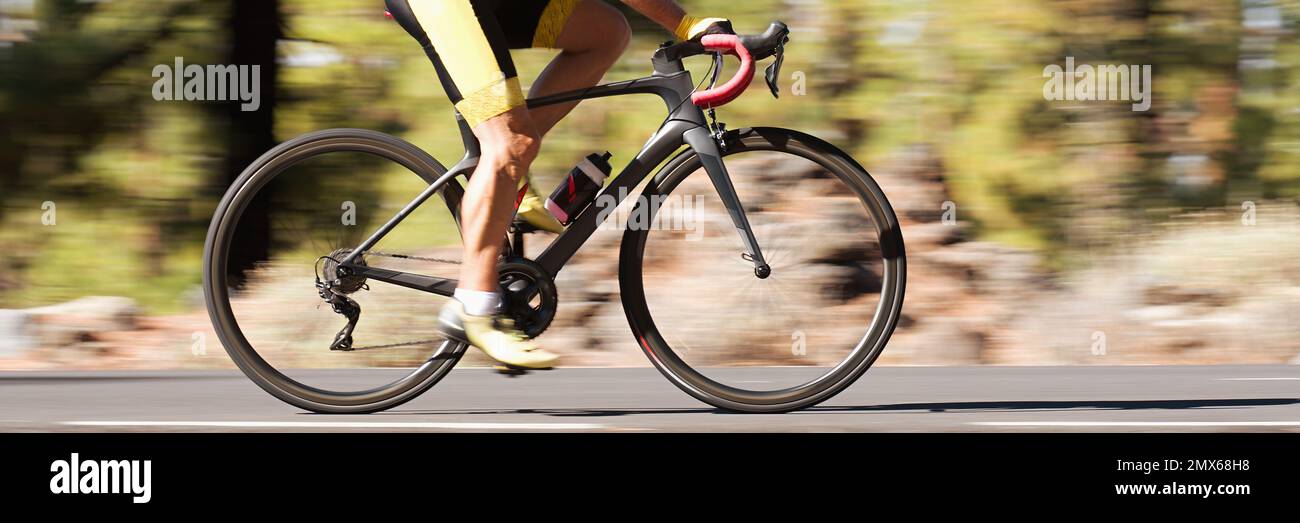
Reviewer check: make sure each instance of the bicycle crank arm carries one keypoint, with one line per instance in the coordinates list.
(707, 149)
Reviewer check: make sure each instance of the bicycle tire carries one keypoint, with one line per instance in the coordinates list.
(663, 357)
(216, 293)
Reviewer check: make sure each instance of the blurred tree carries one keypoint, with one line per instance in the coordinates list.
(255, 29)
(52, 85)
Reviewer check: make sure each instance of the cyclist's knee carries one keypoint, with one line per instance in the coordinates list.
(523, 148)
(511, 153)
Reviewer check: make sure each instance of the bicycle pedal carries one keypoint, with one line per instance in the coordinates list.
(510, 371)
(518, 224)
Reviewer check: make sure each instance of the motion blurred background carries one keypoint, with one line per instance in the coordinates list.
(1038, 231)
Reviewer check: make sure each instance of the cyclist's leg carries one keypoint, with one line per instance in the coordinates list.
(479, 77)
(509, 143)
(590, 34)
(586, 54)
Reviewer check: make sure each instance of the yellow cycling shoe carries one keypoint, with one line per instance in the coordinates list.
(532, 210)
(494, 335)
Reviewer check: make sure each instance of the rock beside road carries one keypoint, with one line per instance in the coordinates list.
(15, 332)
(73, 324)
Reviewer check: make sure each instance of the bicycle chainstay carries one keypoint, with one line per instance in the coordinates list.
(347, 330)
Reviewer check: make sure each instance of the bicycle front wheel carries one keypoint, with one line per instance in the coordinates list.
(795, 338)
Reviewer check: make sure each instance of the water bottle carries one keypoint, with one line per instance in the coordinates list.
(579, 188)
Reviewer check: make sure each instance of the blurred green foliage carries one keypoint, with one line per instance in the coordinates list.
(135, 180)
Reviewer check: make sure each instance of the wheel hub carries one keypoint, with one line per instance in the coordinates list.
(342, 281)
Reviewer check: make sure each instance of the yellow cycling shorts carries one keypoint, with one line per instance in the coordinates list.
(469, 42)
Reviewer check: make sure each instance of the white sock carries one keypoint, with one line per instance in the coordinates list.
(479, 303)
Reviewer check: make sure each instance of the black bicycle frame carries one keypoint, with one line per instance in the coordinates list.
(685, 125)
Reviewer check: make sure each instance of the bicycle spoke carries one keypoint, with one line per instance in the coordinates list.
(285, 320)
(790, 317)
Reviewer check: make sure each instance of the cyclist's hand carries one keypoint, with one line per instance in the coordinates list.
(693, 28)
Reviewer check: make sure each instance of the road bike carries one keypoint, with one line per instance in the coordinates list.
(776, 284)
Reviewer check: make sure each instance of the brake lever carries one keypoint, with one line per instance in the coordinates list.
(773, 72)
(718, 64)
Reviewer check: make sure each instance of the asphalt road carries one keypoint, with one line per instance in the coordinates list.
(895, 399)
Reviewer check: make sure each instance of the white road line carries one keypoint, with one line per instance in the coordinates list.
(1258, 379)
(342, 425)
(1137, 423)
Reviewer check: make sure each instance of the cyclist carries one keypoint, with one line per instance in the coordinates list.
(469, 42)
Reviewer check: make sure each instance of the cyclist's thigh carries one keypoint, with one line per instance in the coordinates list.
(577, 35)
(471, 51)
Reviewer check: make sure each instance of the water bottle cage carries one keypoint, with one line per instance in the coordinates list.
(578, 190)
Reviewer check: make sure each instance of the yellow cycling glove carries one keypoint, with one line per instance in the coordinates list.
(691, 27)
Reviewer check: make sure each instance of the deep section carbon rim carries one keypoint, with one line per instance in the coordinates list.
(306, 202)
(764, 345)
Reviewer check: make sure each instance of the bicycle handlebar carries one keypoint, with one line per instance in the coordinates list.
(766, 44)
(749, 49)
(730, 44)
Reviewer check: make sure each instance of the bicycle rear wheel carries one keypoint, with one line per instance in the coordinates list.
(295, 211)
(791, 340)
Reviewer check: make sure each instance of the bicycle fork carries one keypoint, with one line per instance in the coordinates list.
(706, 147)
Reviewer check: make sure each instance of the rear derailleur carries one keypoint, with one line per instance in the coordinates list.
(349, 309)
(333, 287)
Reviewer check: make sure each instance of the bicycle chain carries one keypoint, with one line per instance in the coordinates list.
(409, 257)
(428, 341)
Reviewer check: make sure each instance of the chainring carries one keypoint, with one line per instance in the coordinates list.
(529, 295)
